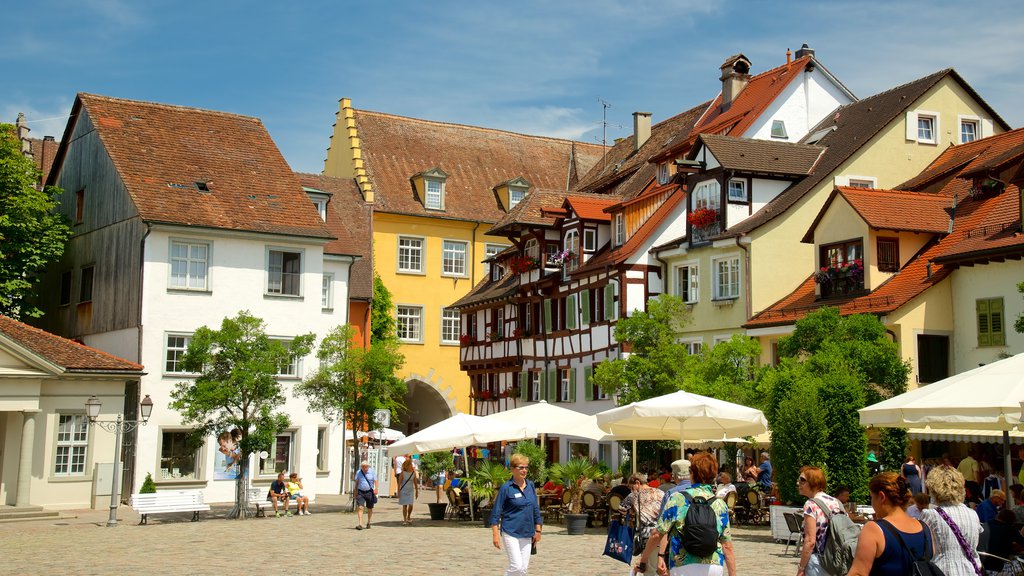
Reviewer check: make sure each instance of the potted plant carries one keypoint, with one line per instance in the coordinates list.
(573, 476)
(432, 464)
(702, 217)
(484, 482)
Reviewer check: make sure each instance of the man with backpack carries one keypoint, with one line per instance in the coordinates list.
(693, 533)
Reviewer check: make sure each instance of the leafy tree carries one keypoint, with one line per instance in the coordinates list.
(798, 426)
(653, 367)
(237, 387)
(1019, 324)
(840, 396)
(728, 371)
(31, 234)
(382, 320)
(353, 382)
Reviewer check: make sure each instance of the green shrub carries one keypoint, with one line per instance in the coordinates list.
(148, 486)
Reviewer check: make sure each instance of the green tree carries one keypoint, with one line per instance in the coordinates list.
(382, 310)
(728, 371)
(1019, 324)
(237, 387)
(798, 426)
(31, 234)
(654, 366)
(353, 382)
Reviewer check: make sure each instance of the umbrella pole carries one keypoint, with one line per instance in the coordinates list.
(469, 488)
(632, 456)
(1009, 469)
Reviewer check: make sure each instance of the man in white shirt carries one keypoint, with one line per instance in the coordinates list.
(725, 485)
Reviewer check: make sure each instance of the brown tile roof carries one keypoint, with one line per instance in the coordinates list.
(853, 126)
(487, 291)
(161, 151)
(761, 156)
(620, 254)
(71, 356)
(475, 159)
(985, 153)
(43, 153)
(349, 220)
(535, 210)
(912, 280)
(985, 226)
(622, 162)
(590, 208)
(895, 210)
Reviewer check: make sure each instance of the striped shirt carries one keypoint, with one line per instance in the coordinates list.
(949, 557)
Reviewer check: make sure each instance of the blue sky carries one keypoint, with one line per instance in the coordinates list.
(536, 67)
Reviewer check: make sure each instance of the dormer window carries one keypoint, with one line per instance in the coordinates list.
(434, 199)
(515, 195)
(663, 173)
(319, 199)
(779, 129)
(321, 207)
(620, 229)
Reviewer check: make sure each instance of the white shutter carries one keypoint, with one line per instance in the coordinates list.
(912, 125)
(986, 128)
(694, 295)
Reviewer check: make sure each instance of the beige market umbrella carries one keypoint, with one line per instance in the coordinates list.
(985, 398)
(550, 419)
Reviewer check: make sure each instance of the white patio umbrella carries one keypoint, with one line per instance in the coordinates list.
(386, 434)
(550, 419)
(985, 398)
(460, 431)
(684, 417)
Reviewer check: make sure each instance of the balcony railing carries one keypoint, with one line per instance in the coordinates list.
(704, 234)
(842, 287)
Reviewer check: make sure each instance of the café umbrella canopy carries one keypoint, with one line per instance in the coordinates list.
(985, 398)
(386, 434)
(550, 419)
(682, 416)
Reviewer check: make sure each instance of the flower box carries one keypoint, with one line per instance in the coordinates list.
(702, 217)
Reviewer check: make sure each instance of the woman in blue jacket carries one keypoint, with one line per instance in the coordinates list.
(515, 519)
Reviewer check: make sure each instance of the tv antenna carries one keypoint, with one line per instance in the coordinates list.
(605, 105)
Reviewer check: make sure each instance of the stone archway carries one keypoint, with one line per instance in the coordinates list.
(425, 404)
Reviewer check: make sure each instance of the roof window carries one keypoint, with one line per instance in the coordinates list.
(779, 129)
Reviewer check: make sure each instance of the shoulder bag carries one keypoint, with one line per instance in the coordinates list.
(619, 544)
(964, 546)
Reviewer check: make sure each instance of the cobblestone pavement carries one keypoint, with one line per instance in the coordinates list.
(322, 543)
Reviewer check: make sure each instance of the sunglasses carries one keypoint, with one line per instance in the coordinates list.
(801, 480)
(521, 467)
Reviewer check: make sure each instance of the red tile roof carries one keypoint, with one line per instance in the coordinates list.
(966, 158)
(590, 208)
(893, 210)
(620, 254)
(985, 226)
(537, 209)
(161, 151)
(475, 159)
(71, 356)
(349, 220)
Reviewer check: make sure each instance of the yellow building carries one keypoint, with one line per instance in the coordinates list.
(436, 188)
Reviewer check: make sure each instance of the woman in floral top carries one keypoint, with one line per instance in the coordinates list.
(643, 504)
(811, 485)
(703, 469)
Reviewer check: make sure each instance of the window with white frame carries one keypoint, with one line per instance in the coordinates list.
(178, 457)
(589, 239)
(327, 291)
(663, 173)
(726, 278)
(279, 456)
(498, 327)
(779, 129)
(707, 194)
(410, 255)
(174, 353)
(572, 245)
(409, 323)
(620, 228)
(492, 250)
(189, 265)
(435, 194)
(686, 283)
(292, 368)
(855, 182)
(515, 195)
(321, 207)
(926, 128)
(532, 249)
(450, 326)
(692, 346)
(564, 381)
(284, 272)
(535, 385)
(322, 435)
(968, 130)
(738, 190)
(72, 445)
(453, 258)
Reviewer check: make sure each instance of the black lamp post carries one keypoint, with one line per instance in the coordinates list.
(92, 410)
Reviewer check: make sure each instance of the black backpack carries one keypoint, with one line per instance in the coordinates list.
(922, 565)
(700, 526)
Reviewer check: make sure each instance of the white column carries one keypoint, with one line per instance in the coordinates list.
(28, 441)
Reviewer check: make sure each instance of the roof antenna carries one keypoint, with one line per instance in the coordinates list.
(605, 105)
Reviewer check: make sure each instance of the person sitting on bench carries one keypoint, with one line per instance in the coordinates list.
(279, 491)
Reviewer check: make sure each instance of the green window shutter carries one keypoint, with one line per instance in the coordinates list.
(570, 312)
(983, 323)
(572, 384)
(547, 316)
(995, 321)
(609, 302)
(588, 382)
(524, 386)
(585, 305)
(552, 386)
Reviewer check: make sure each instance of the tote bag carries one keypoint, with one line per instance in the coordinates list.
(620, 541)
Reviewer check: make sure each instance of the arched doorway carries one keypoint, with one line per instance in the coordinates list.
(425, 406)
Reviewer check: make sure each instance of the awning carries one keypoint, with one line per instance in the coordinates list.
(952, 435)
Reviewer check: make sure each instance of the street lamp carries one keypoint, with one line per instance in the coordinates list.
(92, 410)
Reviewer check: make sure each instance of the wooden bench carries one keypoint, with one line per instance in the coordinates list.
(166, 502)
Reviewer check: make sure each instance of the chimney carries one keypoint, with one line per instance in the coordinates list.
(641, 128)
(735, 77)
(804, 51)
(23, 130)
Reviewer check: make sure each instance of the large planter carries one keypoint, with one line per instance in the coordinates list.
(437, 510)
(576, 524)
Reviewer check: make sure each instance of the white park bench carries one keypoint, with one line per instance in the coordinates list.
(171, 501)
(259, 498)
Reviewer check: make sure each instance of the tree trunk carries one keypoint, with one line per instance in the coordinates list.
(241, 508)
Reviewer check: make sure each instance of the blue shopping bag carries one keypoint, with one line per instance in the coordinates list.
(620, 541)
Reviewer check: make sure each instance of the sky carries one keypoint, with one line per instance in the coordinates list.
(530, 66)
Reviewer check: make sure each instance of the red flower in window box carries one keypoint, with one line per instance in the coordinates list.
(518, 333)
(466, 340)
(485, 394)
(702, 217)
(522, 264)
